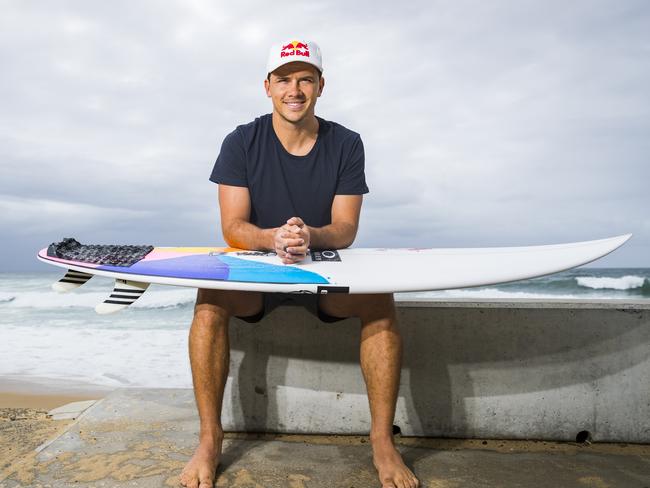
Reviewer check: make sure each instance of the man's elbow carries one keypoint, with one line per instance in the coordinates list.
(349, 236)
(229, 233)
(231, 242)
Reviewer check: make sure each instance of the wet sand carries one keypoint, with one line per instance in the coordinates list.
(24, 423)
(14, 400)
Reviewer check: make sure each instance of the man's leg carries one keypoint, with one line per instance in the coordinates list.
(381, 355)
(210, 359)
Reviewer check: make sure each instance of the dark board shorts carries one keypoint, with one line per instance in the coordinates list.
(273, 300)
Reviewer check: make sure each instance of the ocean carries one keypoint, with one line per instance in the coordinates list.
(45, 335)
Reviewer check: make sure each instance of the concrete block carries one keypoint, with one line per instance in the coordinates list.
(70, 410)
(499, 369)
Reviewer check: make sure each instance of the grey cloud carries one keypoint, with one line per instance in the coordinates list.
(485, 123)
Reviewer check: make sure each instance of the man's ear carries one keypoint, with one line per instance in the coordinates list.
(321, 85)
(267, 87)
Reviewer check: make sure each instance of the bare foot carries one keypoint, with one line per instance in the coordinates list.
(200, 471)
(393, 473)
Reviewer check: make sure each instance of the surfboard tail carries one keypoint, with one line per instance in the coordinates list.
(71, 281)
(124, 293)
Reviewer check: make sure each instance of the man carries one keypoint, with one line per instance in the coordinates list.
(290, 182)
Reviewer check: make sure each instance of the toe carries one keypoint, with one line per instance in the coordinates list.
(206, 481)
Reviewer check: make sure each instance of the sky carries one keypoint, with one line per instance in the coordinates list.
(500, 123)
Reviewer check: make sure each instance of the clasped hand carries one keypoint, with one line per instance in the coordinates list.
(292, 241)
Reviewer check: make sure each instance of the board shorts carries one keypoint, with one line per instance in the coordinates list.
(309, 301)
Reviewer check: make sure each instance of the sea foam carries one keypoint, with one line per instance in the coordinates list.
(601, 283)
(48, 299)
(105, 357)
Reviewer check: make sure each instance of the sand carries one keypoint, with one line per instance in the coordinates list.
(13, 400)
(25, 425)
(21, 431)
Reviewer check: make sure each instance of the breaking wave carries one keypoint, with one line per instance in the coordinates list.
(629, 282)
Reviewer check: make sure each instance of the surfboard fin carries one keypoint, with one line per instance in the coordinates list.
(71, 280)
(124, 294)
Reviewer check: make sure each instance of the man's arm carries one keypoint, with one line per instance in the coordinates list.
(343, 229)
(235, 208)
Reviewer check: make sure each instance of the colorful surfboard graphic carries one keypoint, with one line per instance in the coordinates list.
(208, 264)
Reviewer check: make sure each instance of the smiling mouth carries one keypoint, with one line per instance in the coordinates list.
(295, 105)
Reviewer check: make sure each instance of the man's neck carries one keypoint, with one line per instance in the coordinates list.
(298, 139)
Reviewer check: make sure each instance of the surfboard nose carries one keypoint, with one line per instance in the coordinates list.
(618, 241)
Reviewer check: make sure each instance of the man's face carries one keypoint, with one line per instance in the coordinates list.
(294, 88)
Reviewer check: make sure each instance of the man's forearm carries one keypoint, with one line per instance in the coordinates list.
(333, 236)
(244, 235)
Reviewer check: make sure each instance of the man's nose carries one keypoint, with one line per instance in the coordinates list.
(294, 87)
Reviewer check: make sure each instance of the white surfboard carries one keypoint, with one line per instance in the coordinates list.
(355, 270)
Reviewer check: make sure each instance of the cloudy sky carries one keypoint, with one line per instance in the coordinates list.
(485, 123)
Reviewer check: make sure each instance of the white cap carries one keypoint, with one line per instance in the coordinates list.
(290, 51)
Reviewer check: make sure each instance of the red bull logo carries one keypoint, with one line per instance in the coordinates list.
(295, 48)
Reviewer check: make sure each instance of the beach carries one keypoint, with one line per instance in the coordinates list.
(25, 424)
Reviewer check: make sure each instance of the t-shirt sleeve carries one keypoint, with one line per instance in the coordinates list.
(352, 178)
(230, 167)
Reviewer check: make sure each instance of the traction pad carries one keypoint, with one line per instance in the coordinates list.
(111, 255)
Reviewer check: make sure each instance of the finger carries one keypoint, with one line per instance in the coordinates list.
(280, 248)
(288, 259)
(303, 232)
(292, 243)
(293, 258)
(293, 255)
(292, 261)
(301, 250)
(300, 255)
(295, 221)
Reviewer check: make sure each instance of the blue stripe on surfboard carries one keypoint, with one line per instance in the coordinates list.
(199, 266)
(220, 267)
(253, 271)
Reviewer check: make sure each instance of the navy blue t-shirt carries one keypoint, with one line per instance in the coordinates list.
(282, 185)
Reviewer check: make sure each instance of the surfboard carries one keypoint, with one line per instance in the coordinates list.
(353, 270)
